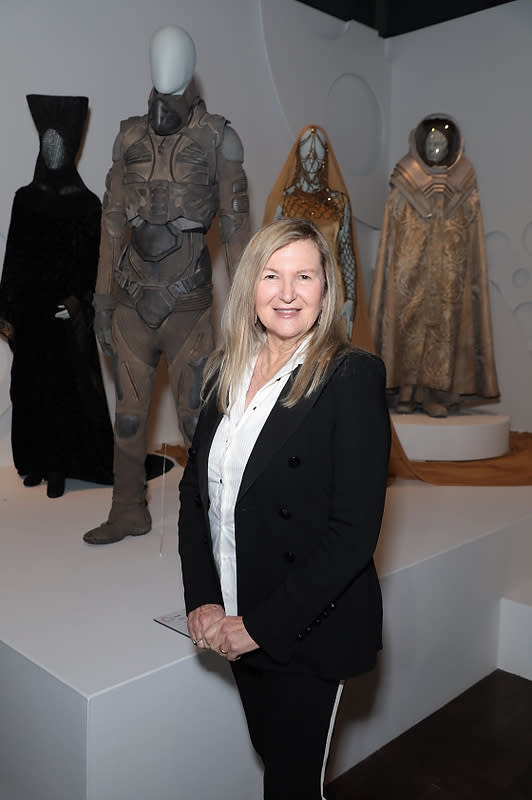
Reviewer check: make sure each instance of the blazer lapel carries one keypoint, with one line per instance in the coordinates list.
(281, 423)
(207, 425)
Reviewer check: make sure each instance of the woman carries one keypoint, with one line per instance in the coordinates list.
(281, 503)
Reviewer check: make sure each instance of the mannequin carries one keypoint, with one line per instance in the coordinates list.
(429, 307)
(173, 170)
(310, 185)
(60, 423)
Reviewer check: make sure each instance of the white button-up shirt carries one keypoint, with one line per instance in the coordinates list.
(231, 447)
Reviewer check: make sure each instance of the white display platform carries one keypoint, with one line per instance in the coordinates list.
(515, 637)
(466, 436)
(98, 702)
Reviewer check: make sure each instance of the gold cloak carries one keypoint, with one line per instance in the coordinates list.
(429, 308)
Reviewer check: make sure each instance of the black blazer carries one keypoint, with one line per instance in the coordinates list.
(307, 519)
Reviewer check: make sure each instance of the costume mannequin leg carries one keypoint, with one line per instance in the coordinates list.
(56, 484)
(33, 479)
(185, 367)
(136, 357)
(406, 404)
(431, 406)
(186, 338)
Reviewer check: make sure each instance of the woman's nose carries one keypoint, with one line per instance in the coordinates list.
(288, 291)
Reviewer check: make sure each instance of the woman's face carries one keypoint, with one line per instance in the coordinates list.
(290, 292)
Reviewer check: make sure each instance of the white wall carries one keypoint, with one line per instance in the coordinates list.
(100, 49)
(272, 66)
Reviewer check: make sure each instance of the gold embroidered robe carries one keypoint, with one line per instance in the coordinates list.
(429, 307)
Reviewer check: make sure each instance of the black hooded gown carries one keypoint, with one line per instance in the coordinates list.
(60, 417)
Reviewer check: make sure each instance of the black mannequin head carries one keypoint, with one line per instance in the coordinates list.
(437, 140)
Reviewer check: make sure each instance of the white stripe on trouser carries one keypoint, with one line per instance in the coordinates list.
(329, 735)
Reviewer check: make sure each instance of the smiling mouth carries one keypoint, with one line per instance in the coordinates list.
(288, 311)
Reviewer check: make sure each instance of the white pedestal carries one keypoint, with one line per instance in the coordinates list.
(467, 436)
(98, 702)
(515, 631)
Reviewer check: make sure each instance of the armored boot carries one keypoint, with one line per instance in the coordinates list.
(129, 515)
(123, 521)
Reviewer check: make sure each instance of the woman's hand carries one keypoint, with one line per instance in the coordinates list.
(228, 637)
(200, 619)
(6, 329)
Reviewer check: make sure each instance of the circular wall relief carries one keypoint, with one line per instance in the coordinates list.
(354, 116)
(521, 278)
(316, 64)
(498, 250)
(527, 238)
(322, 25)
(523, 314)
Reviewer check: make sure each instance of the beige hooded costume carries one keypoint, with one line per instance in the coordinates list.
(429, 309)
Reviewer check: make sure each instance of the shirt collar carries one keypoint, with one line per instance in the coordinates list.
(297, 358)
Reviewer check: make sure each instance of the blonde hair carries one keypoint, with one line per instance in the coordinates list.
(243, 334)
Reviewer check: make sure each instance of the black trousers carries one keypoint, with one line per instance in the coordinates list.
(290, 717)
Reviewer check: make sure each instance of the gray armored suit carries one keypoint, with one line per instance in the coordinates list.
(172, 171)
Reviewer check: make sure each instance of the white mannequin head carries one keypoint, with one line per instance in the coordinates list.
(172, 59)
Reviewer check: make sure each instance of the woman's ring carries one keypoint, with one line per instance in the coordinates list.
(196, 642)
(222, 651)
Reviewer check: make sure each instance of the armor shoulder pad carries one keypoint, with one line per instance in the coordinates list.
(231, 145)
(131, 130)
(404, 166)
(131, 122)
(463, 173)
(125, 126)
(215, 122)
(116, 147)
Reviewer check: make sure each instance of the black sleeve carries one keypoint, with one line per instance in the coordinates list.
(200, 578)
